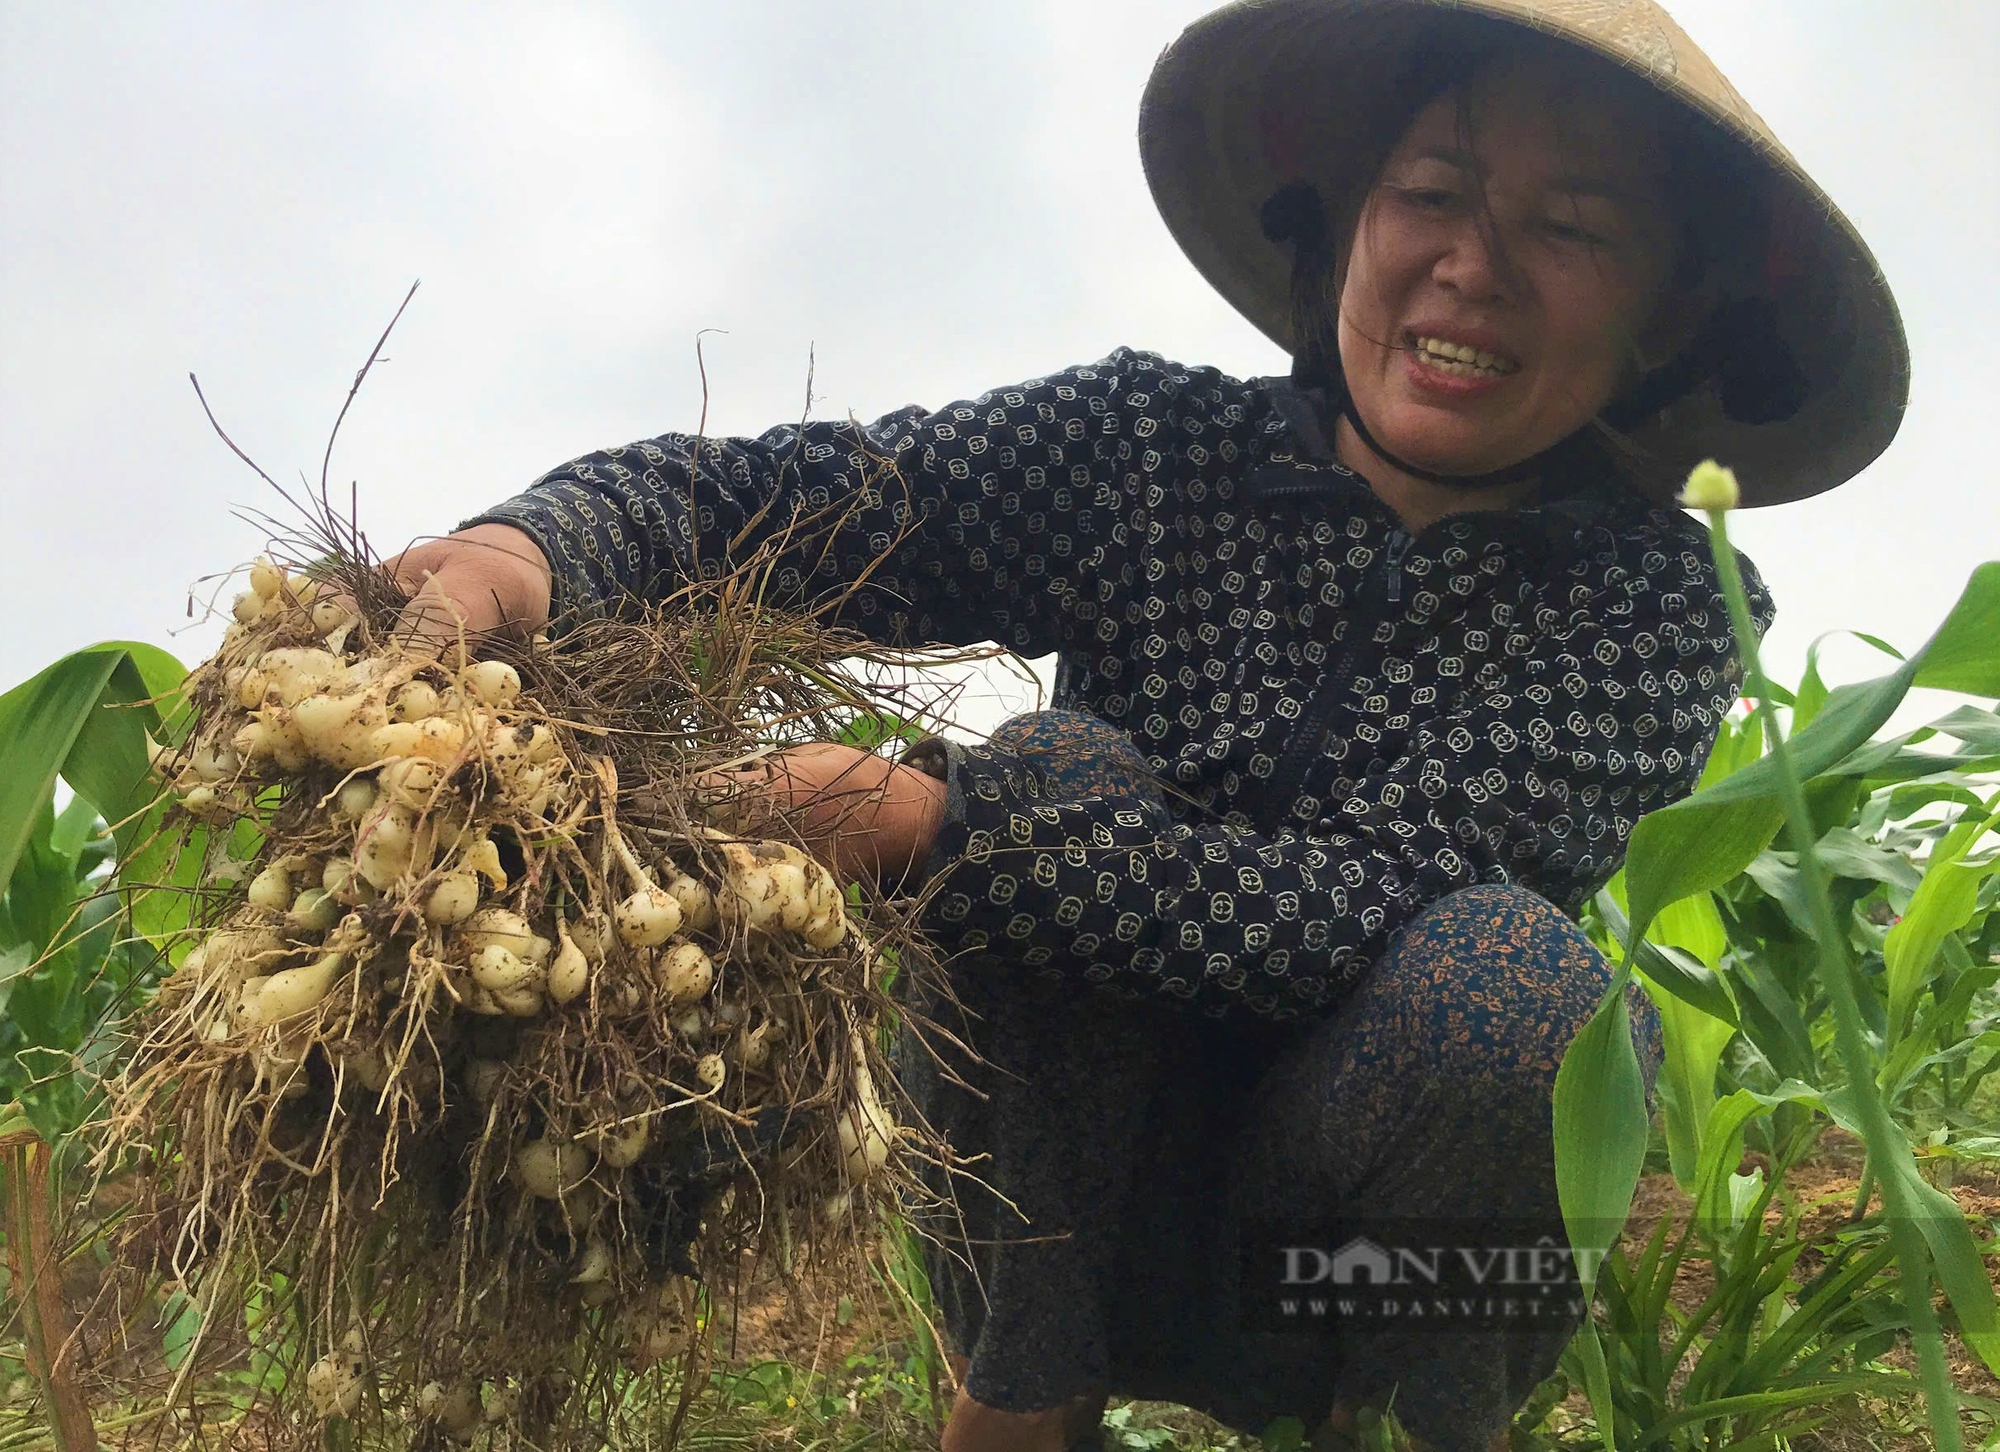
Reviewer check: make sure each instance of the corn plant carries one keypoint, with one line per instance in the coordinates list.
(1913, 896)
(1731, 971)
(75, 942)
(1769, 1351)
(72, 950)
(1699, 845)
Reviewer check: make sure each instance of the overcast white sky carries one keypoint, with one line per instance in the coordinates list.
(937, 198)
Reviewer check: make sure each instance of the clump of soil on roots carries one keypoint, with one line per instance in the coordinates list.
(495, 1042)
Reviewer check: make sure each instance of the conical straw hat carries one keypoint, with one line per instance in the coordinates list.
(1262, 94)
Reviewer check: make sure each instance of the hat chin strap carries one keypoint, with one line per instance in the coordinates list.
(1534, 466)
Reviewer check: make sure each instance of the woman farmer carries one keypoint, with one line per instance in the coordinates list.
(1366, 674)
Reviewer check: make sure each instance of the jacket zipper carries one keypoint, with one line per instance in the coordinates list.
(1290, 487)
(1384, 586)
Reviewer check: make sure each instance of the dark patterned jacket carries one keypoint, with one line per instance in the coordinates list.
(1349, 722)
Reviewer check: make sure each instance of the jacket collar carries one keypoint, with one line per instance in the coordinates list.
(1306, 415)
(1586, 500)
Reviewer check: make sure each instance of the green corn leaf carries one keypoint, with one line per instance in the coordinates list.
(1694, 925)
(1844, 853)
(1942, 903)
(1704, 840)
(1772, 1021)
(1904, 802)
(39, 721)
(14, 963)
(1746, 1193)
(1597, 1383)
(81, 719)
(1737, 744)
(1722, 1147)
(1694, 1042)
(73, 830)
(159, 878)
(1912, 1060)
(1879, 643)
(1811, 694)
(1678, 972)
(1977, 1147)
(107, 761)
(1600, 1133)
(85, 718)
(1964, 654)
(1956, 1259)
(1778, 875)
(1666, 967)
(164, 677)
(1882, 762)
(1978, 728)
(29, 901)
(1699, 843)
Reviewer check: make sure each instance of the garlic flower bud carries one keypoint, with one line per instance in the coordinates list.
(1711, 487)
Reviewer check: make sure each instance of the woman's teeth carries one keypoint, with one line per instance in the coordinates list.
(1463, 360)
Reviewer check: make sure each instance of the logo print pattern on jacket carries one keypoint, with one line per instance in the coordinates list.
(1348, 723)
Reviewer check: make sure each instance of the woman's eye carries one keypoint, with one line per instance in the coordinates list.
(1570, 232)
(1432, 199)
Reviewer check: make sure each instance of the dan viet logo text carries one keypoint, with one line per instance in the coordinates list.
(1452, 1275)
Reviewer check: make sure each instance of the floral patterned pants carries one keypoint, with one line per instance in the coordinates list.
(1133, 1142)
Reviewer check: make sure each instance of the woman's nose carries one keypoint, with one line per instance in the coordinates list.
(1471, 265)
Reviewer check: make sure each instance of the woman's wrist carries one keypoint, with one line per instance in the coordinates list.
(922, 803)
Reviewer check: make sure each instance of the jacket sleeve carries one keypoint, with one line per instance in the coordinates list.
(1535, 779)
(975, 522)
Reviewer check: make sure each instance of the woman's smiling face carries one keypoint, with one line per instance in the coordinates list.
(1507, 275)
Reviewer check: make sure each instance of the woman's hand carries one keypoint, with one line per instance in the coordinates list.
(491, 579)
(862, 816)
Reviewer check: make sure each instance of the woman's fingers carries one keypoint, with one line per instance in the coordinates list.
(487, 580)
(446, 616)
(862, 815)
(819, 789)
